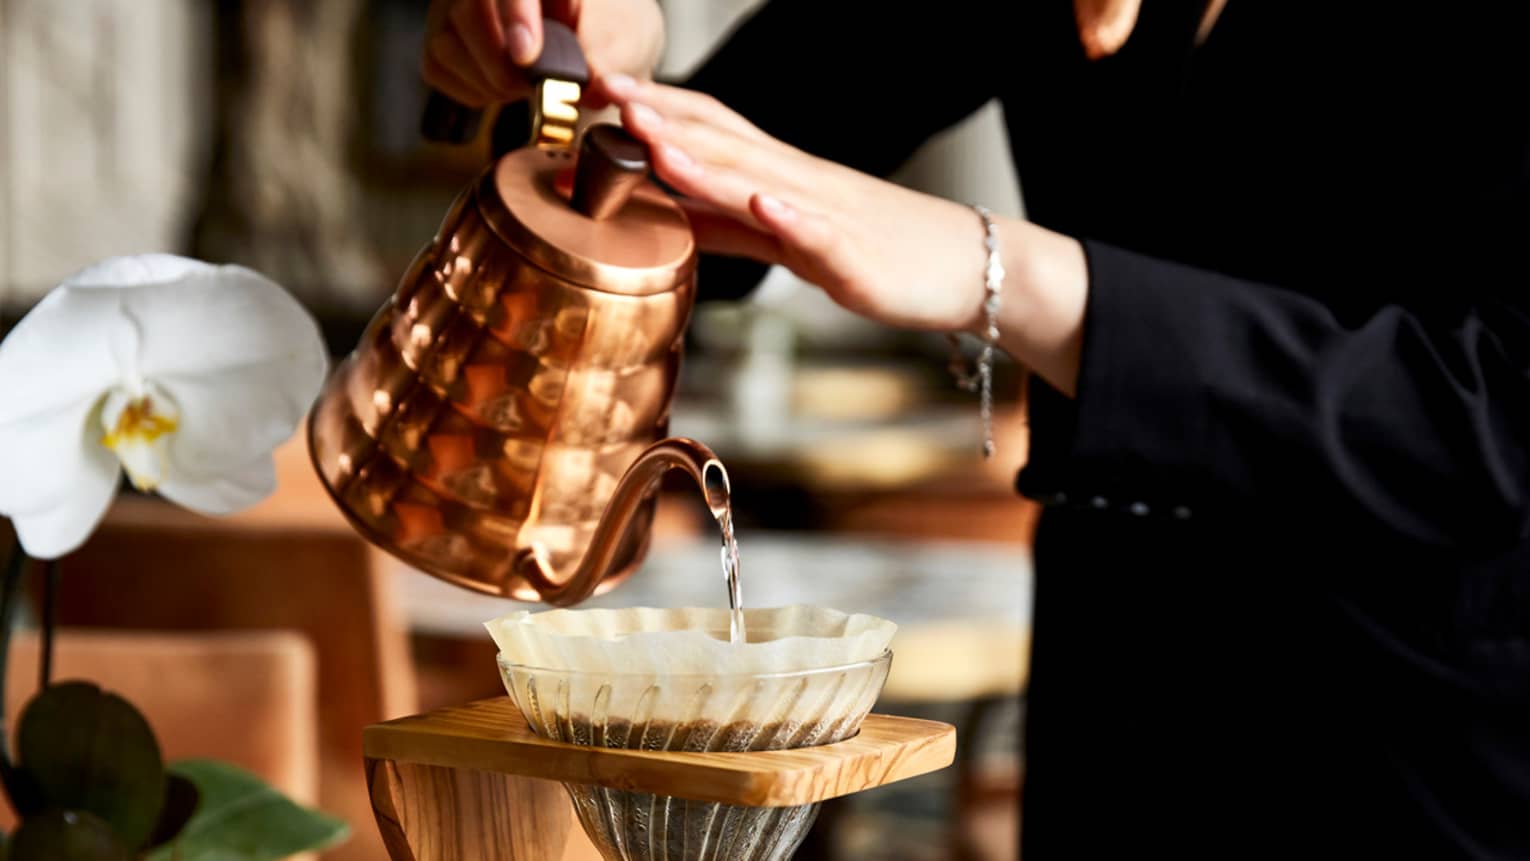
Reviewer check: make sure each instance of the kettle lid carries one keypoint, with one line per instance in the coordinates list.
(643, 246)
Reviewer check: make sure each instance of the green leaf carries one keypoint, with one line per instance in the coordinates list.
(181, 799)
(91, 751)
(66, 835)
(240, 818)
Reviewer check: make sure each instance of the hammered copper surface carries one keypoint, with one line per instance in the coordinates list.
(524, 366)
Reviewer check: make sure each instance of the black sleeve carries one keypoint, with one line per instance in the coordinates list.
(856, 82)
(1200, 392)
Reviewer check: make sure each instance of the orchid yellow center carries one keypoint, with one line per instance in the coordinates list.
(138, 431)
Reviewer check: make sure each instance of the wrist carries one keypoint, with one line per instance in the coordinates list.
(1008, 238)
(987, 251)
(1042, 301)
(630, 33)
(1021, 276)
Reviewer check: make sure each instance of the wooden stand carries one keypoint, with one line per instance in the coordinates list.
(473, 781)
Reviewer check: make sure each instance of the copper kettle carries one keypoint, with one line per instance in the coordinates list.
(501, 424)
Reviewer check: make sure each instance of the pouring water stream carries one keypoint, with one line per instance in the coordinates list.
(719, 502)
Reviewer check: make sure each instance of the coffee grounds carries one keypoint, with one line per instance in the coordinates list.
(696, 736)
(641, 826)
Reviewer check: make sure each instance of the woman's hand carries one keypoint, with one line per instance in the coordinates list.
(888, 253)
(476, 50)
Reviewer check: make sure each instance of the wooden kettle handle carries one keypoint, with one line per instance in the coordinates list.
(447, 120)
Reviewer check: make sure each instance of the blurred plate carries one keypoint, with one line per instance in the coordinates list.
(886, 452)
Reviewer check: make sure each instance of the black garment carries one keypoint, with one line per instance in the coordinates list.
(1283, 582)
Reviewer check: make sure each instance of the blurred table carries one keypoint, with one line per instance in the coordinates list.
(963, 608)
(865, 451)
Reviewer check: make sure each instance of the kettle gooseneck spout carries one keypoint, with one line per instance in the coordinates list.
(687, 455)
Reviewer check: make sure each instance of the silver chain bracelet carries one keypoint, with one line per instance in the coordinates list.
(980, 378)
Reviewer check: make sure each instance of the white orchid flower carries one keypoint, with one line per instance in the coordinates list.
(184, 374)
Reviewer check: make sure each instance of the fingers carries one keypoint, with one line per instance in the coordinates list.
(449, 67)
(780, 233)
(717, 232)
(477, 24)
(721, 163)
(699, 163)
(679, 104)
(476, 48)
(523, 20)
(700, 146)
(1105, 25)
(804, 242)
(810, 245)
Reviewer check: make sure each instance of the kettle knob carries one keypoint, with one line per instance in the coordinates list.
(612, 164)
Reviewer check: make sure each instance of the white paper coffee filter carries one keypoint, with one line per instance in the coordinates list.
(689, 640)
(804, 675)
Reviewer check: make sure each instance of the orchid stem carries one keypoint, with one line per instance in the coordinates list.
(13, 569)
(49, 621)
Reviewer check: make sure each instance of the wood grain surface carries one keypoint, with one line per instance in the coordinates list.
(490, 735)
(433, 813)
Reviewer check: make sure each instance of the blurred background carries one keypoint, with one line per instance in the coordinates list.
(283, 134)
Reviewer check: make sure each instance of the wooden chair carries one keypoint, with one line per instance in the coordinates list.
(291, 563)
(247, 697)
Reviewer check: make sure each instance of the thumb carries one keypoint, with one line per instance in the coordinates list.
(1105, 25)
(812, 247)
(523, 30)
(718, 232)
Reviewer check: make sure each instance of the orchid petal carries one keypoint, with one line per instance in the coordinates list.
(136, 271)
(60, 355)
(233, 417)
(44, 456)
(230, 490)
(58, 529)
(241, 387)
(225, 318)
